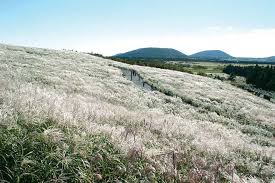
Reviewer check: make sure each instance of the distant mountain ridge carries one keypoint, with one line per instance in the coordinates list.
(271, 59)
(152, 52)
(211, 54)
(207, 55)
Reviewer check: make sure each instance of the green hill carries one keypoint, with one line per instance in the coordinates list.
(212, 54)
(152, 53)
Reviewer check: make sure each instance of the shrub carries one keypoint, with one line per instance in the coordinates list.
(202, 74)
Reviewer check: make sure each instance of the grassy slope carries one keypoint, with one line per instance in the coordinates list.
(216, 132)
(46, 152)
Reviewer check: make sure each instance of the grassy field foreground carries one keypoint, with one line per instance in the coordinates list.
(73, 117)
(47, 152)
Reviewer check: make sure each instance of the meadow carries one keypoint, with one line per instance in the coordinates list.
(77, 118)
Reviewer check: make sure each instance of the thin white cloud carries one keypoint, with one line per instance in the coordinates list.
(220, 28)
(229, 28)
(214, 28)
(256, 43)
(251, 43)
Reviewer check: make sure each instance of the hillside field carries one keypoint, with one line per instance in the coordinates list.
(73, 117)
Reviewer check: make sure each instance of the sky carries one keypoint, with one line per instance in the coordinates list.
(242, 28)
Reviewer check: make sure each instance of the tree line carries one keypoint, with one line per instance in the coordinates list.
(156, 63)
(260, 76)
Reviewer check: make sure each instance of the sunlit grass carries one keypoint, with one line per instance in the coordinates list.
(47, 152)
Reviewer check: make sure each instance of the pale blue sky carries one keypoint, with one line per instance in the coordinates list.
(240, 27)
